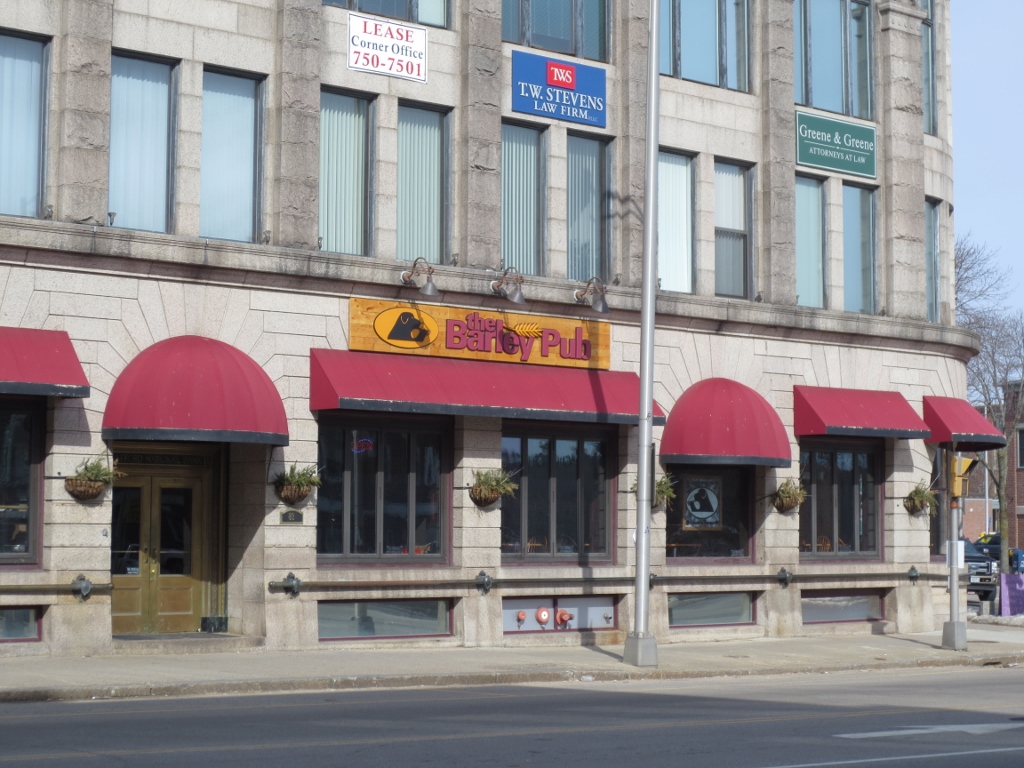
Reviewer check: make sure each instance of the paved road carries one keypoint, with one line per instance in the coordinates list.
(897, 718)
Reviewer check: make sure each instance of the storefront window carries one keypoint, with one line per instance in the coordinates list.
(383, 618)
(839, 517)
(710, 609)
(20, 432)
(562, 508)
(383, 492)
(710, 515)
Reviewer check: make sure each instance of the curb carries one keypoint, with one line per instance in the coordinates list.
(382, 682)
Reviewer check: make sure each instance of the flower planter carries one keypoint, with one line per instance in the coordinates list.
(484, 497)
(83, 490)
(914, 506)
(785, 504)
(292, 494)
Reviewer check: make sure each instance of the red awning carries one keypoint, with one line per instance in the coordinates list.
(956, 421)
(854, 412)
(720, 421)
(373, 381)
(194, 388)
(35, 362)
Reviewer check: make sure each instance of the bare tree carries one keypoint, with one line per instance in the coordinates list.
(981, 284)
(994, 383)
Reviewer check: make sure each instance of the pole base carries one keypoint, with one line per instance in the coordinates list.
(954, 636)
(641, 650)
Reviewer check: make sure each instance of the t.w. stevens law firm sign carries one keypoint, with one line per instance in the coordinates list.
(836, 145)
(471, 334)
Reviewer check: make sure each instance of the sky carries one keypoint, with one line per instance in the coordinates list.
(988, 117)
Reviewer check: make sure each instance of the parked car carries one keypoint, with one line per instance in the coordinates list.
(989, 544)
(983, 572)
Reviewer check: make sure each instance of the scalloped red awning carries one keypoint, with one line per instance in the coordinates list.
(854, 413)
(195, 388)
(374, 381)
(956, 421)
(720, 421)
(37, 362)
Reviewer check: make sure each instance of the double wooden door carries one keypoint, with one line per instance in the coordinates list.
(156, 556)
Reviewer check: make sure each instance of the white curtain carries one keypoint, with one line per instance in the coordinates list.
(586, 200)
(520, 198)
(810, 243)
(730, 230)
(675, 223)
(420, 184)
(227, 195)
(140, 93)
(343, 191)
(21, 106)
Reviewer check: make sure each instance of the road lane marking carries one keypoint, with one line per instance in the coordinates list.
(900, 758)
(975, 729)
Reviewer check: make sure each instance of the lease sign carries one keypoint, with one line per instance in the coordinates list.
(387, 47)
(473, 334)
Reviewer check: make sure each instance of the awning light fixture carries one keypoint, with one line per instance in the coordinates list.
(596, 288)
(421, 267)
(510, 286)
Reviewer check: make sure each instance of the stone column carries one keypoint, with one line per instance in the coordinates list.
(478, 150)
(775, 271)
(81, 112)
(898, 110)
(292, 213)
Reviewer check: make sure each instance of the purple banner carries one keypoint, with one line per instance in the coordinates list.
(1011, 594)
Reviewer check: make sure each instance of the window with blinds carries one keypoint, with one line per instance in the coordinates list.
(858, 250)
(421, 188)
(675, 222)
(140, 143)
(587, 208)
(21, 121)
(343, 173)
(228, 182)
(521, 195)
(731, 225)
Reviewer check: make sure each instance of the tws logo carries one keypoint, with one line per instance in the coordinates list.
(405, 328)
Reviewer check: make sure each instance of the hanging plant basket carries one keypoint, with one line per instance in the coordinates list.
(292, 494)
(788, 496)
(83, 490)
(484, 497)
(920, 499)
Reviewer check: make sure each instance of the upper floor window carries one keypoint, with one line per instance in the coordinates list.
(810, 242)
(931, 258)
(858, 249)
(228, 174)
(344, 137)
(521, 195)
(832, 55)
(422, 169)
(140, 143)
(929, 101)
(839, 517)
(574, 27)
(732, 225)
(384, 489)
(675, 222)
(21, 446)
(21, 124)
(434, 13)
(706, 41)
(587, 215)
(562, 508)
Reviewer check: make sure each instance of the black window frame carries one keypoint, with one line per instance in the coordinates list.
(348, 422)
(36, 410)
(675, 22)
(412, 7)
(609, 436)
(802, 38)
(875, 446)
(525, 36)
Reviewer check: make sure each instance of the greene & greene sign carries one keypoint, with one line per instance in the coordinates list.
(836, 145)
(377, 325)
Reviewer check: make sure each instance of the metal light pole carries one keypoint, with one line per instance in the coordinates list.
(954, 631)
(641, 646)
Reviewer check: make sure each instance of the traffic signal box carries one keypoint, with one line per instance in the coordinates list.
(959, 473)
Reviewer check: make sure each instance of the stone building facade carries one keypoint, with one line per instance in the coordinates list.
(241, 561)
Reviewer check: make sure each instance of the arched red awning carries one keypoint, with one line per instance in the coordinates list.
(194, 388)
(720, 421)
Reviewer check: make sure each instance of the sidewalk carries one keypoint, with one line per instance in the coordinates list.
(348, 667)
